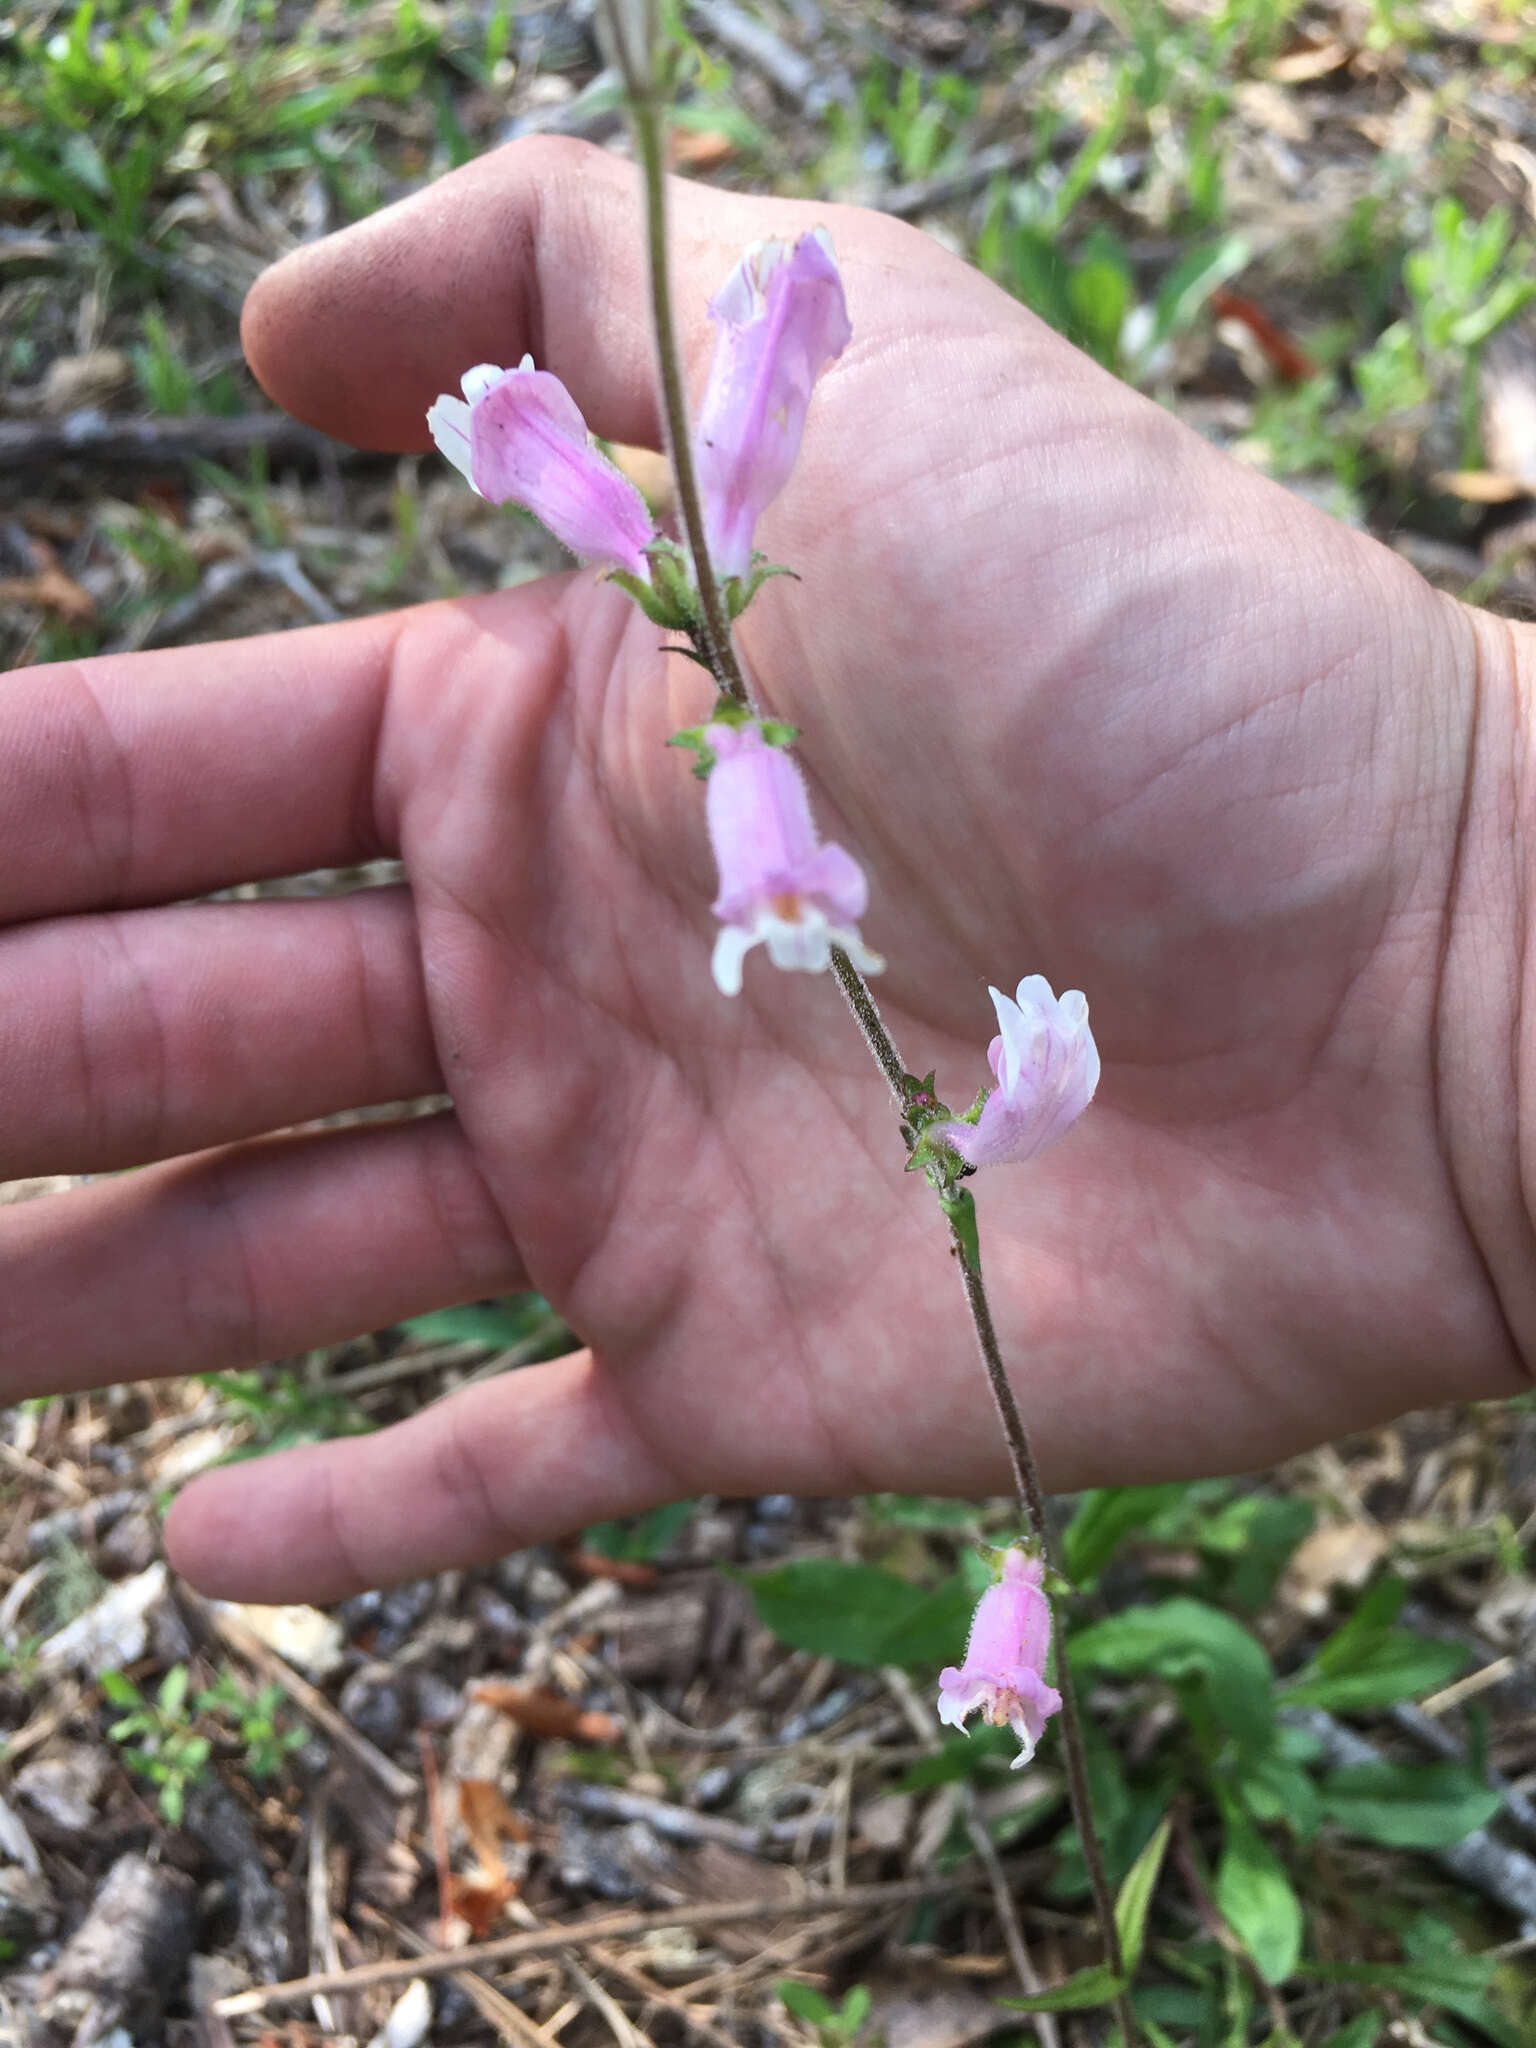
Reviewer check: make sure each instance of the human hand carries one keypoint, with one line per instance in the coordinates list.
(1087, 698)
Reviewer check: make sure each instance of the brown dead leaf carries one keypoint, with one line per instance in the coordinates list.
(49, 590)
(1312, 60)
(76, 381)
(479, 1901)
(1283, 355)
(1344, 1555)
(488, 1820)
(703, 149)
(1479, 486)
(547, 1714)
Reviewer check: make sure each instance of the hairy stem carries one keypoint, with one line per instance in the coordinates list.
(1026, 1479)
(867, 1016)
(646, 112)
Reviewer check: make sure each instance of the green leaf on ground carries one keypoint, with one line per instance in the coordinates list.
(1097, 1985)
(861, 1614)
(1409, 1806)
(1135, 1899)
(1257, 1901)
(1187, 1642)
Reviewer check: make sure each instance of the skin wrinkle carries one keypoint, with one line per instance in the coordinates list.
(459, 1472)
(502, 1265)
(219, 1209)
(335, 1530)
(155, 1082)
(1455, 882)
(91, 814)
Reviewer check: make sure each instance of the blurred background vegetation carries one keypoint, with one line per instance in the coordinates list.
(1308, 229)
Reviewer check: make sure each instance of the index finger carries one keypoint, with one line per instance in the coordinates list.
(539, 247)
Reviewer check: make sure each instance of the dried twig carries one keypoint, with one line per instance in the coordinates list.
(612, 1927)
(93, 436)
(511, 2022)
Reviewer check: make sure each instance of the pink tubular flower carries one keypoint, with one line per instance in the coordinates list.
(779, 886)
(1047, 1067)
(782, 319)
(1004, 1668)
(519, 435)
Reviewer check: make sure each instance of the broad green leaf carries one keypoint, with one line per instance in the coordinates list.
(1409, 1806)
(855, 2009)
(1097, 1985)
(1135, 1899)
(804, 2001)
(1184, 1641)
(1274, 1788)
(1256, 1899)
(1102, 1521)
(1383, 1667)
(120, 1689)
(860, 1614)
(935, 1630)
(1459, 1985)
(173, 1690)
(1185, 289)
(647, 1536)
(493, 1323)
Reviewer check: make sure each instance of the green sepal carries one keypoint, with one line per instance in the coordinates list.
(739, 591)
(649, 600)
(728, 711)
(670, 575)
(973, 1114)
(778, 732)
(960, 1207)
(693, 738)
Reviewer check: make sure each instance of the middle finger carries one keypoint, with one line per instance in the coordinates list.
(152, 1033)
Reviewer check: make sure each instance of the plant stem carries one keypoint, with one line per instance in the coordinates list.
(646, 112)
(867, 1016)
(1026, 1479)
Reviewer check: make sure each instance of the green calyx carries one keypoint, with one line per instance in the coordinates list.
(739, 591)
(669, 599)
(775, 733)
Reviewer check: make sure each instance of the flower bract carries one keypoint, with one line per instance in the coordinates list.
(1047, 1068)
(780, 887)
(518, 435)
(1004, 1669)
(781, 318)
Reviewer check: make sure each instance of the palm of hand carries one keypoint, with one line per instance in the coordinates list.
(1056, 693)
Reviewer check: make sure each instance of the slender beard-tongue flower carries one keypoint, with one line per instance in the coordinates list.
(1004, 1668)
(518, 435)
(779, 886)
(1047, 1068)
(782, 319)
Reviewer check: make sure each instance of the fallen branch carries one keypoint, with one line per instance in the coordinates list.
(93, 436)
(513, 1948)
